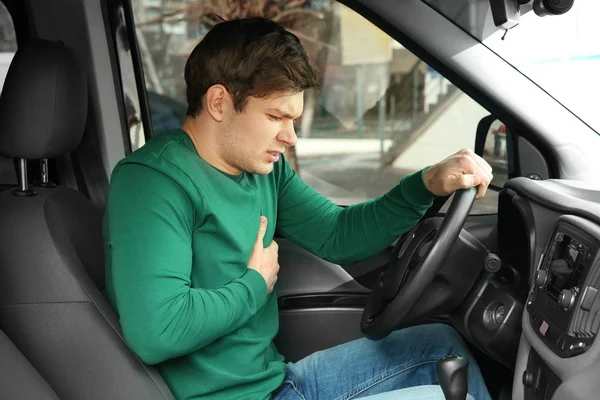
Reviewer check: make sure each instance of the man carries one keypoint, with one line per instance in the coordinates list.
(191, 261)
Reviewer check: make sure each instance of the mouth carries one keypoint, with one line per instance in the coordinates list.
(273, 155)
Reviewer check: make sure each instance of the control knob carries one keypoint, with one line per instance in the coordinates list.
(566, 298)
(540, 277)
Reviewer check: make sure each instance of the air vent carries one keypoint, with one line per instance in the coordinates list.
(586, 318)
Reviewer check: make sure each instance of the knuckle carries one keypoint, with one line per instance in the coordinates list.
(464, 160)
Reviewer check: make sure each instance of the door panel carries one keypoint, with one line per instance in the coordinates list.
(320, 303)
(302, 272)
(304, 331)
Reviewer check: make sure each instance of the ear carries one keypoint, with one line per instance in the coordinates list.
(216, 101)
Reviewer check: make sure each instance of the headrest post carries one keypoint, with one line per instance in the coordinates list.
(23, 189)
(23, 174)
(44, 169)
(45, 182)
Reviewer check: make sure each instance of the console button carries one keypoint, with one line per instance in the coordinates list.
(527, 378)
(589, 295)
(577, 348)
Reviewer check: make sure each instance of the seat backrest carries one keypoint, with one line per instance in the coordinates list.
(51, 252)
(18, 379)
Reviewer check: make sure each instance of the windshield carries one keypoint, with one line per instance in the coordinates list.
(561, 54)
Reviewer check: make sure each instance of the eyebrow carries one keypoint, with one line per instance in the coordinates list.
(283, 114)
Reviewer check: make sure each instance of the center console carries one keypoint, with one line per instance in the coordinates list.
(563, 305)
(552, 235)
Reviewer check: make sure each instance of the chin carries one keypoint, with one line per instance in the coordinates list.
(262, 169)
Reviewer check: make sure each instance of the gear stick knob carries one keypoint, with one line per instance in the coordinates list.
(451, 373)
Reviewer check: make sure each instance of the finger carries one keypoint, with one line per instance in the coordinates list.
(484, 180)
(483, 184)
(467, 181)
(481, 190)
(486, 177)
(274, 244)
(479, 175)
(487, 174)
(470, 166)
(479, 161)
(485, 167)
(262, 229)
(482, 163)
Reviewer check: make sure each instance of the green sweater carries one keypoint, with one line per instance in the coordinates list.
(178, 236)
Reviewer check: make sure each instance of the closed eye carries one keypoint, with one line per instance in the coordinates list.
(274, 117)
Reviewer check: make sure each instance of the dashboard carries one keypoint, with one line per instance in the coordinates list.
(550, 232)
(538, 315)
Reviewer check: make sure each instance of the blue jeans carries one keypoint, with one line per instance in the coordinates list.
(400, 366)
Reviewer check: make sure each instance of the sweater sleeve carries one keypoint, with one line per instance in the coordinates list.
(150, 220)
(347, 234)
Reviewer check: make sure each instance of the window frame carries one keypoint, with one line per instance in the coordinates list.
(125, 7)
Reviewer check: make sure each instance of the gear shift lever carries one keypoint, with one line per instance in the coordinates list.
(451, 373)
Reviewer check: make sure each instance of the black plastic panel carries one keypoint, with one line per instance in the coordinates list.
(539, 380)
(494, 322)
(567, 197)
(304, 331)
(302, 272)
(531, 161)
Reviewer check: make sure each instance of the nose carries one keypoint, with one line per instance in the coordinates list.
(288, 134)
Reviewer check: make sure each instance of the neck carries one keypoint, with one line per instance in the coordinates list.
(203, 132)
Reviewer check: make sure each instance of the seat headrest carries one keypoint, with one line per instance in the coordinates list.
(43, 105)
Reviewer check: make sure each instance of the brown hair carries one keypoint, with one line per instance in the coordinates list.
(250, 57)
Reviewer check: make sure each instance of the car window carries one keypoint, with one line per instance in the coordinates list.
(8, 47)
(122, 44)
(380, 114)
(8, 42)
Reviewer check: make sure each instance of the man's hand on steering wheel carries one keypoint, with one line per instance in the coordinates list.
(462, 170)
(416, 260)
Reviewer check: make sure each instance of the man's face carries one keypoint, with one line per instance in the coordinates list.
(254, 139)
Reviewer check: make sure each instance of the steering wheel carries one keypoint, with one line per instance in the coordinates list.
(412, 266)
